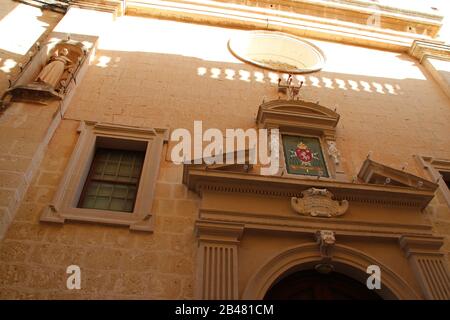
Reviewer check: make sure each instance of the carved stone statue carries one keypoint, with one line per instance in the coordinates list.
(326, 241)
(319, 203)
(333, 151)
(52, 72)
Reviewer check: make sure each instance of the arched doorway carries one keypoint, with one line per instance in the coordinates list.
(312, 285)
(346, 261)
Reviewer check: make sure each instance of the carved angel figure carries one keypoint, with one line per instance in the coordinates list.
(333, 151)
(54, 69)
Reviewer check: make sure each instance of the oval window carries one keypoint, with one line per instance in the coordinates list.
(277, 51)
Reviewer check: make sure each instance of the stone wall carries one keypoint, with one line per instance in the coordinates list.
(115, 262)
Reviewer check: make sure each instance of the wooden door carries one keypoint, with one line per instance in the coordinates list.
(312, 285)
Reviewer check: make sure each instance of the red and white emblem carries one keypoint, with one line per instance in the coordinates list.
(303, 153)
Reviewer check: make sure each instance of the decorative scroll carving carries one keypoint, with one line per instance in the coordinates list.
(319, 203)
(326, 240)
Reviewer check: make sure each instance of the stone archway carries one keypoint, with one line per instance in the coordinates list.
(347, 261)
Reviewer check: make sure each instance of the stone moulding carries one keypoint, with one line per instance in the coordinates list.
(318, 203)
(289, 17)
(347, 260)
(298, 115)
(434, 166)
(376, 173)
(199, 180)
(420, 49)
(219, 232)
(306, 225)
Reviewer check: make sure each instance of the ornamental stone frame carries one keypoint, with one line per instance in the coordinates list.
(64, 204)
(304, 118)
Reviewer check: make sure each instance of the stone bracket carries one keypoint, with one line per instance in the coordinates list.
(326, 240)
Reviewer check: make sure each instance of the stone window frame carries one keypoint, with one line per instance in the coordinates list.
(434, 166)
(64, 205)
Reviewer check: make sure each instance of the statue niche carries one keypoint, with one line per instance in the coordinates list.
(48, 73)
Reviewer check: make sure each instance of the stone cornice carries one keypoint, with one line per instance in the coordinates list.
(117, 7)
(372, 171)
(200, 180)
(220, 232)
(358, 5)
(293, 115)
(309, 225)
(130, 130)
(332, 21)
(421, 49)
(421, 245)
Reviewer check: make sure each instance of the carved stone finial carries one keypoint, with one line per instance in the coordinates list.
(287, 87)
(319, 203)
(326, 240)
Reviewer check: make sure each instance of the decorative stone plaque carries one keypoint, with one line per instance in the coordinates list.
(319, 203)
(304, 156)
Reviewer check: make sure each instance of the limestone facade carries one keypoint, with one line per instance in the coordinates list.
(392, 98)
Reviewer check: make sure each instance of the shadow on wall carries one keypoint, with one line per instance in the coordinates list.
(21, 26)
(393, 118)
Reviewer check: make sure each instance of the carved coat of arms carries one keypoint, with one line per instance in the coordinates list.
(319, 203)
(304, 154)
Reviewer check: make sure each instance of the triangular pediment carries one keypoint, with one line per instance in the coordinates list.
(376, 173)
(297, 115)
(237, 165)
(299, 107)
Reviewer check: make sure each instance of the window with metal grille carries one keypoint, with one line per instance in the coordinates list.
(113, 180)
